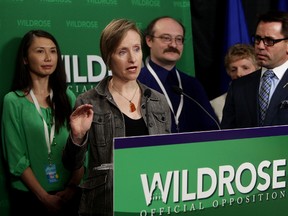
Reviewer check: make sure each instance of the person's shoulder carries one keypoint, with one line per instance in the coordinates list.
(187, 77)
(144, 73)
(87, 94)
(99, 89)
(14, 99)
(70, 93)
(252, 77)
(157, 96)
(10, 95)
(184, 74)
(191, 82)
(144, 68)
(13, 95)
(154, 94)
(218, 99)
(71, 96)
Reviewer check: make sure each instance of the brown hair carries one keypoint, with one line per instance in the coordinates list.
(276, 16)
(112, 36)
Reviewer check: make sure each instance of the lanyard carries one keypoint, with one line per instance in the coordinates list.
(176, 117)
(48, 139)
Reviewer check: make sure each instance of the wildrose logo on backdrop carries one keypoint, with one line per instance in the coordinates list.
(237, 183)
(89, 77)
(75, 72)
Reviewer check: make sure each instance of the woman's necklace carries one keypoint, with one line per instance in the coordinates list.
(131, 104)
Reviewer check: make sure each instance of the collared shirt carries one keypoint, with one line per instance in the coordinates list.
(279, 72)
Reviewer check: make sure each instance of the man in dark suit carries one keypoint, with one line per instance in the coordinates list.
(193, 112)
(244, 107)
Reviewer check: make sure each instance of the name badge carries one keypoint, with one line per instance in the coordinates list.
(51, 173)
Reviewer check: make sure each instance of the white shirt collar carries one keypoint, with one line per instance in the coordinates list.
(279, 71)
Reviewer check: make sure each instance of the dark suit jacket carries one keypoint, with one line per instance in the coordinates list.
(241, 108)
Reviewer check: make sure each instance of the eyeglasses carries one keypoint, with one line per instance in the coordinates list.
(266, 40)
(167, 39)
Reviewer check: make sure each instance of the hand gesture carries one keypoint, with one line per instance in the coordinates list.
(80, 121)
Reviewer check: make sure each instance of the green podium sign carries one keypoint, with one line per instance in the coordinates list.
(219, 173)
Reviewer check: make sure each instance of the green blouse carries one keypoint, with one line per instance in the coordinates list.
(24, 143)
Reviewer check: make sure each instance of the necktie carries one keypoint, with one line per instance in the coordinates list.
(264, 93)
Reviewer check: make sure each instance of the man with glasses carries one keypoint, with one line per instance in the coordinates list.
(261, 98)
(189, 104)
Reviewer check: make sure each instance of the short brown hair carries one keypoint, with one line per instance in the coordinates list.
(112, 36)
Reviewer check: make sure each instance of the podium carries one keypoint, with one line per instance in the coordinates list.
(214, 173)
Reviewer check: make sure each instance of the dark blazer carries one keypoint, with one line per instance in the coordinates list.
(241, 109)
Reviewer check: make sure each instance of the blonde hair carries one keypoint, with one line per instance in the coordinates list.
(240, 51)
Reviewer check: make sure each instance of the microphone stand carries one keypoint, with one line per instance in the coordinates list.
(180, 91)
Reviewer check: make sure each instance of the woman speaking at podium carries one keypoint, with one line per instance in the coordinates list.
(118, 106)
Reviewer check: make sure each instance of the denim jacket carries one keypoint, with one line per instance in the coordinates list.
(108, 122)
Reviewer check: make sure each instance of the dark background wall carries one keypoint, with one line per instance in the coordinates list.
(208, 27)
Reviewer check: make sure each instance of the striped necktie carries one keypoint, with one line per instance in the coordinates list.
(264, 94)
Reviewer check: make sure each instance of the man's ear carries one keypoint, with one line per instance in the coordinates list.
(148, 40)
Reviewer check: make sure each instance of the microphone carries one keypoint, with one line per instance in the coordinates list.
(179, 91)
(147, 94)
